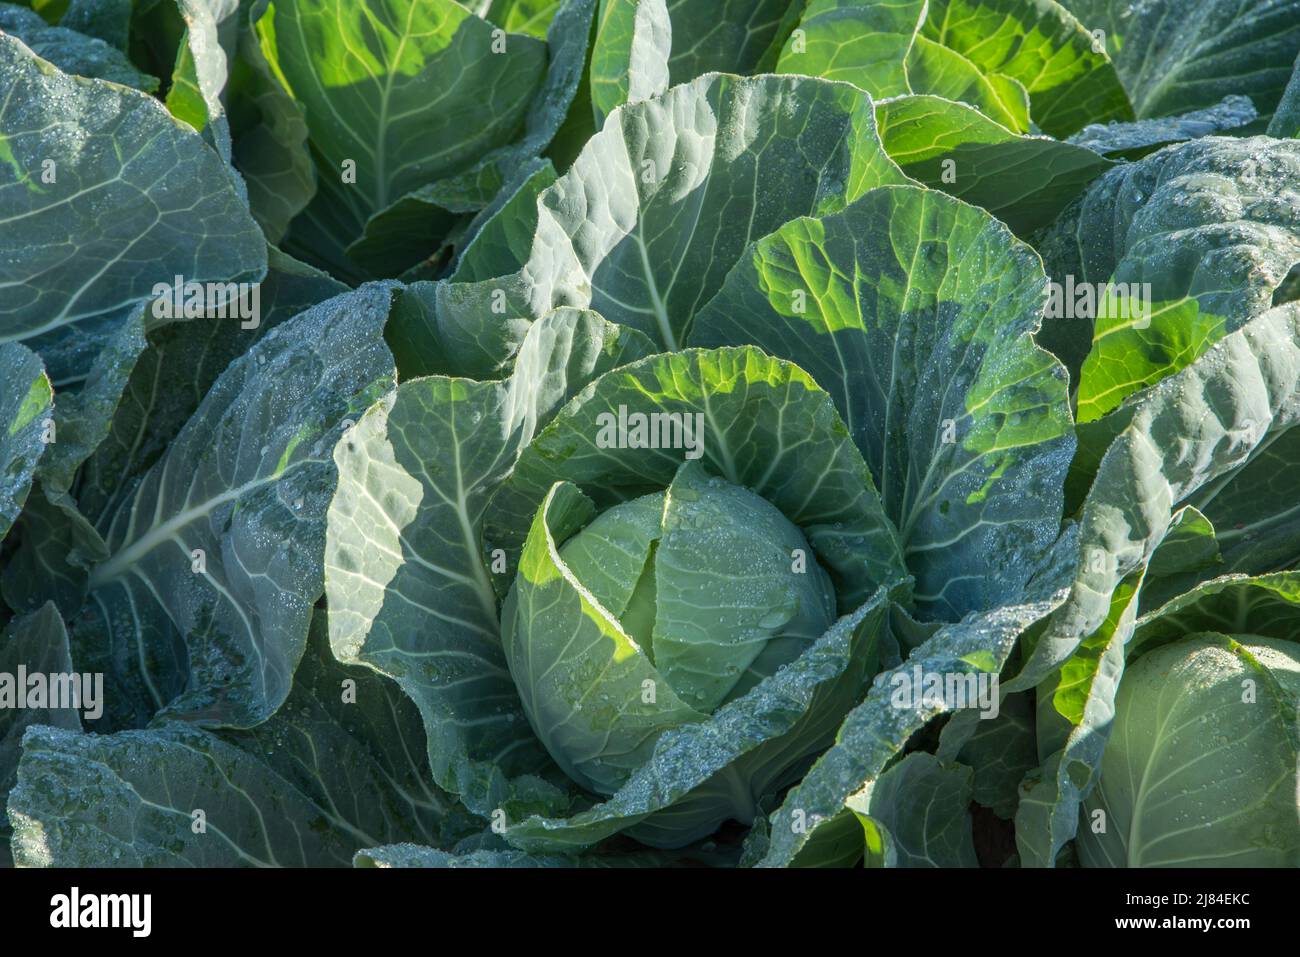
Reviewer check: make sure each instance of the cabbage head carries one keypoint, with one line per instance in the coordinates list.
(705, 589)
(1201, 766)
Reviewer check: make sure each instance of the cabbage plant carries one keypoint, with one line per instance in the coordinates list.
(649, 432)
(1201, 767)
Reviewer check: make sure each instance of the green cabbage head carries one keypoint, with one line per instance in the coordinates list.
(1200, 769)
(704, 589)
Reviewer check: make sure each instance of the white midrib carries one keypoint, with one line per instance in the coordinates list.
(486, 594)
(381, 147)
(661, 312)
(123, 560)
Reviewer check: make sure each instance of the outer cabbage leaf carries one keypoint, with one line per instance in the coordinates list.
(71, 51)
(1263, 605)
(629, 57)
(408, 584)
(1075, 709)
(518, 16)
(270, 135)
(1189, 435)
(879, 47)
(25, 403)
(1140, 137)
(916, 312)
(216, 556)
(56, 549)
(1174, 57)
(110, 20)
(731, 36)
(415, 224)
(1006, 58)
(198, 79)
(1212, 226)
(1190, 739)
(918, 815)
(644, 46)
(136, 199)
(175, 372)
(663, 201)
(1070, 80)
(500, 238)
(815, 825)
(1188, 554)
(1286, 121)
(138, 395)
(82, 415)
(414, 855)
(340, 767)
(39, 643)
(403, 94)
(1001, 751)
(1025, 181)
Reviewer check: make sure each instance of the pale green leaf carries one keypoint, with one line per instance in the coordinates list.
(916, 313)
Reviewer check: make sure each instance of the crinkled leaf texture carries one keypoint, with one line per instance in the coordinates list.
(39, 643)
(324, 777)
(136, 198)
(215, 558)
(26, 399)
(1135, 139)
(1192, 439)
(1210, 228)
